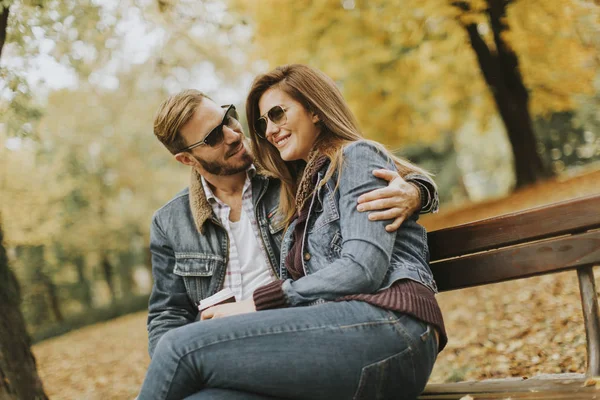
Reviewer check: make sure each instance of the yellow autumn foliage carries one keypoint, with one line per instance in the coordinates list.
(407, 68)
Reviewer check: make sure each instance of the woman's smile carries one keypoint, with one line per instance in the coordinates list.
(281, 139)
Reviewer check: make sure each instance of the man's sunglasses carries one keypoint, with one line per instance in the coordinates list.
(215, 137)
(276, 115)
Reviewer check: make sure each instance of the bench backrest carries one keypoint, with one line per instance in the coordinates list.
(532, 242)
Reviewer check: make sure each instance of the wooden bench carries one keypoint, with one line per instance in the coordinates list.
(544, 240)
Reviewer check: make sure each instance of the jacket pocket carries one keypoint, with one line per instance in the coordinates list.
(325, 209)
(276, 223)
(197, 271)
(335, 247)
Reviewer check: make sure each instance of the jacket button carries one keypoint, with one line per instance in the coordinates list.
(306, 256)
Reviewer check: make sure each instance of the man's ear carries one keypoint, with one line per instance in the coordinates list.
(185, 159)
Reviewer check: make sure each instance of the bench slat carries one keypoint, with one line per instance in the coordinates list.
(572, 388)
(537, 223)
(518, 262)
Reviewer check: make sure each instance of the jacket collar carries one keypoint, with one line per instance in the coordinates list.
(199, 204)
(201, 209)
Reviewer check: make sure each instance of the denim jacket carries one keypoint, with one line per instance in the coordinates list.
(343, 252)
(190, 251)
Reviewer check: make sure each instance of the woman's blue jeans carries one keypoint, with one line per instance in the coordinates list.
(336, 350)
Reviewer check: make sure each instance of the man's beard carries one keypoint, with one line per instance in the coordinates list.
(225, 168)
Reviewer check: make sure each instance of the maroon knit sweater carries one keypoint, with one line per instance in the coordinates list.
(405, 296)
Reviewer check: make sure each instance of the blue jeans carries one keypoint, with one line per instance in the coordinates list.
(336, 350)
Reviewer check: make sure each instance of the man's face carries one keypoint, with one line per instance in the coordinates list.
(229, 157)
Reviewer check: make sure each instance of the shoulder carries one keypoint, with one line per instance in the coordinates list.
(181, 201)
(367, 152)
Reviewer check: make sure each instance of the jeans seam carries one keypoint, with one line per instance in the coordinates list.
(170, 381)
(360, 385)
(324, 327)
(400, 329)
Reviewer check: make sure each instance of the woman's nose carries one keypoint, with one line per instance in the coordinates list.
(272, 128)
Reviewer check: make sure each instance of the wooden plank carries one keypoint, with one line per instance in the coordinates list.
(515, 388)
(591, 318)
(533, 224)
(517, 262)
(582, 395)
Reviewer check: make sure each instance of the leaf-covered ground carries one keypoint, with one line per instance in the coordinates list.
(518, 328)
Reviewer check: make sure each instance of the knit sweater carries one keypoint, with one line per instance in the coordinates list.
(405, 296)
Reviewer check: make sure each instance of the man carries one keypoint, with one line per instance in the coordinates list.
(224, 230)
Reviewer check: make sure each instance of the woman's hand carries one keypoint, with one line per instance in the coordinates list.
(398, 200)
(229, 309)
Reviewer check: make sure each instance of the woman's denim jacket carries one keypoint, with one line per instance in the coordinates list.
(345, 253)
(190, 251)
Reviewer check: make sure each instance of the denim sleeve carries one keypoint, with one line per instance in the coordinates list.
(169, 305)
(429, 194)
(366, 247)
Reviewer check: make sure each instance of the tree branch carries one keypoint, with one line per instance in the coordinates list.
(487, 61)
(506, 56)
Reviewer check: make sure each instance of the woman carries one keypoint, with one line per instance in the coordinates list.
(355, 316)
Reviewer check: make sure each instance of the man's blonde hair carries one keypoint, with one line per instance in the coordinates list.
(174, 113)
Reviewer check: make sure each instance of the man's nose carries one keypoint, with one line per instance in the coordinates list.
(231, 135)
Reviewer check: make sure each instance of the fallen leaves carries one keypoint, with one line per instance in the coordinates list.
(510, 338)
(102, 361)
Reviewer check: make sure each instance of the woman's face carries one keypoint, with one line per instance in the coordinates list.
(295, 137)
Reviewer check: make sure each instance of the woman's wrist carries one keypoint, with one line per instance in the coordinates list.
(269, 296)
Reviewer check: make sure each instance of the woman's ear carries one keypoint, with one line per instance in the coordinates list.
(315, 118)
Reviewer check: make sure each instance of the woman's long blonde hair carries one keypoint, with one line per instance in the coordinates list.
(338, 127)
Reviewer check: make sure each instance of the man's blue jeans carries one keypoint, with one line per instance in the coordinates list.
(336, 350)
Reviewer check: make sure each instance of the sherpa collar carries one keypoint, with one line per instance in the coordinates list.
(201, 209)
(199, 204)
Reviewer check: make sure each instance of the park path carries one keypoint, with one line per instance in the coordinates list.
(491, 335)
(104, 361)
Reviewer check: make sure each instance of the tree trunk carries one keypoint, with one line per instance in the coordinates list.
(36, 296)
(126, 263)
(107, 269)
(52, 292)
(84, 284)
(18, 374)
(501, 72)
(3, 25)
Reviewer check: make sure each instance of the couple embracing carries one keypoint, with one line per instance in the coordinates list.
(331, 302)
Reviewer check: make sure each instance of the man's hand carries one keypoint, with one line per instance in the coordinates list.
(398, 200)
(229, 309)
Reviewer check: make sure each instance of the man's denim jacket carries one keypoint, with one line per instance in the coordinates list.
(190, 251)
(343, 252)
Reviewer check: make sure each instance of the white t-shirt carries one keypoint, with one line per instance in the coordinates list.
(254, 269)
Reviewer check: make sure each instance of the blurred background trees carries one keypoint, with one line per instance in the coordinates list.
(488, 94)
(80, 170)
(416, 71)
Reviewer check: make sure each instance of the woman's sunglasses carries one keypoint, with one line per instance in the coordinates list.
(276, 115)
(215, 137)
